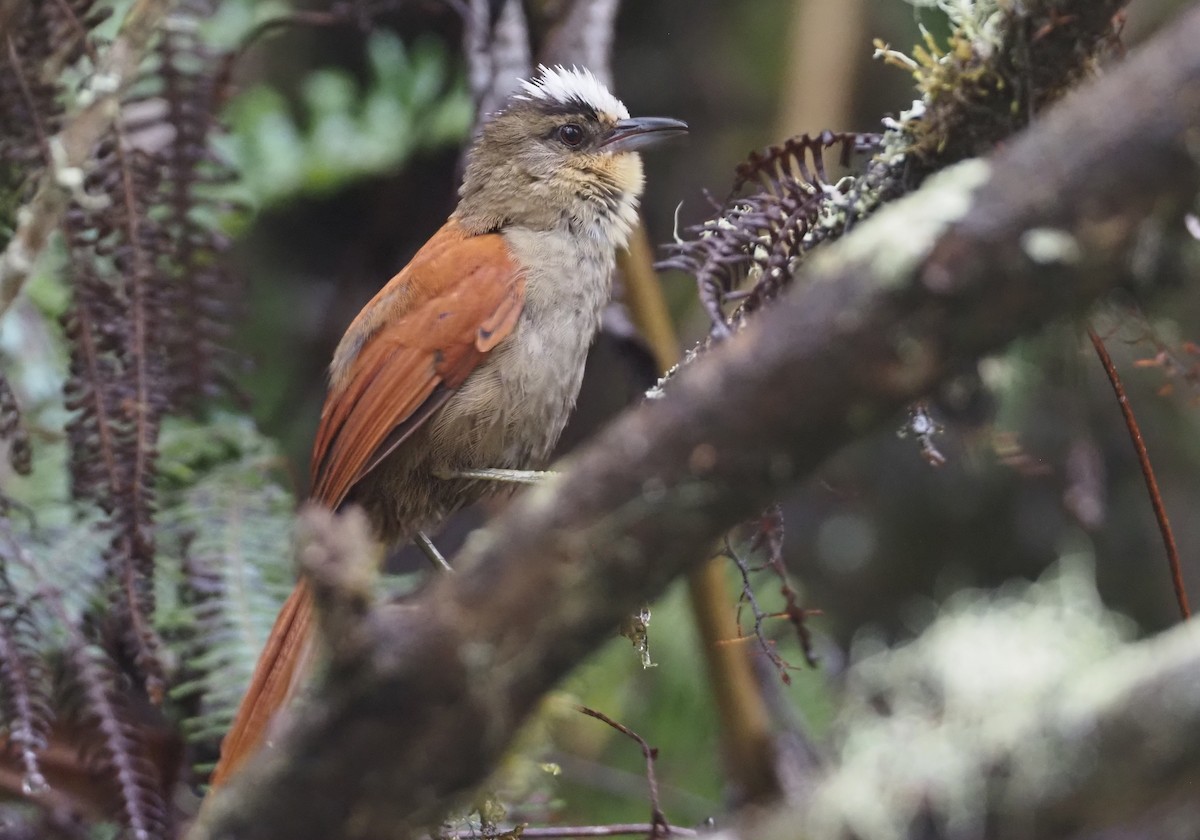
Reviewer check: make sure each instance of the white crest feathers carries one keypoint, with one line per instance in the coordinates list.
(572, 86)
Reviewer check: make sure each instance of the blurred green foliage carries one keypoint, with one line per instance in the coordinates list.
(671, 706)
(223, 525)
(340, 132)
(225, 564)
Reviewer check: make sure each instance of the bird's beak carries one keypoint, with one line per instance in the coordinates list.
(640, 132)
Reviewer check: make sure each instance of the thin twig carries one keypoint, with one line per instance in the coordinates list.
(605, 830)
(748, 595)
(555, 831)
(770, 536)
(659, 827)
(1160, 511)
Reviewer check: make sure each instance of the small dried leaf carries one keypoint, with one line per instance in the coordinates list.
(636, 628)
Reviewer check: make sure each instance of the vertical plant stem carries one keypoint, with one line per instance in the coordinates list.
(1160, 511)
(746, 739)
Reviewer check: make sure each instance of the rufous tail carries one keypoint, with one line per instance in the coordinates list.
(280, 671)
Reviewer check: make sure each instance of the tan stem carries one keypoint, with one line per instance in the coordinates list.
(826, 43)
(746, 741)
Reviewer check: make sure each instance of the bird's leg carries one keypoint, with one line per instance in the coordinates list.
(494, 474)
(430, 550)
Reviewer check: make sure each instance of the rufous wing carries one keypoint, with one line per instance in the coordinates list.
(416, 341)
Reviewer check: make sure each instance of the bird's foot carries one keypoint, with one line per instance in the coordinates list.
(430, 550)
(492, 474)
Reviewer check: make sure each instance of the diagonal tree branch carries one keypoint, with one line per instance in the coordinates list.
(72, 147)
(422, 697)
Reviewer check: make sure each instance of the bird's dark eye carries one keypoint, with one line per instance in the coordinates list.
(570, 134)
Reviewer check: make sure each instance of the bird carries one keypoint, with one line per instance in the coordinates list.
(459, 375)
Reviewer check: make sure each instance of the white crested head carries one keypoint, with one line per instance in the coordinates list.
(577, 87)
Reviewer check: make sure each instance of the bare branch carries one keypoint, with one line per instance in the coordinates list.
(658, 820)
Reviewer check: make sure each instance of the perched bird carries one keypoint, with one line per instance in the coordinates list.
(464, 367)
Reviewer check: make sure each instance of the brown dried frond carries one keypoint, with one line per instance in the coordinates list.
(151, 305)
(800, 158)
(25, 707)
(12, 431)
(200, 297)
(117, 387)
(761, 235)
(41, 39)
(114, 743)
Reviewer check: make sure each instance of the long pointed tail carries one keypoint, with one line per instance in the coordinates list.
(281, 668)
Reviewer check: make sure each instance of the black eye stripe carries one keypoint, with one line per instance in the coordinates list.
(573, 108)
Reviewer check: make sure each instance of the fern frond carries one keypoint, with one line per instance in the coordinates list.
(115, 744)
(86, 706)
(759, 236)
(200, 297)
(41, 39)
(120, 400)
(20, 454)
(233, 532)
(25, 707)
(801, 159)
(150, 312)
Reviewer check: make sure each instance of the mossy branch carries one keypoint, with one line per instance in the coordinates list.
(966, 732)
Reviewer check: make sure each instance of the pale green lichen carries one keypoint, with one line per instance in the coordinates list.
(1048, 246)
(922, 724)
(951, 75)
(894, 242)
(980, 21)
